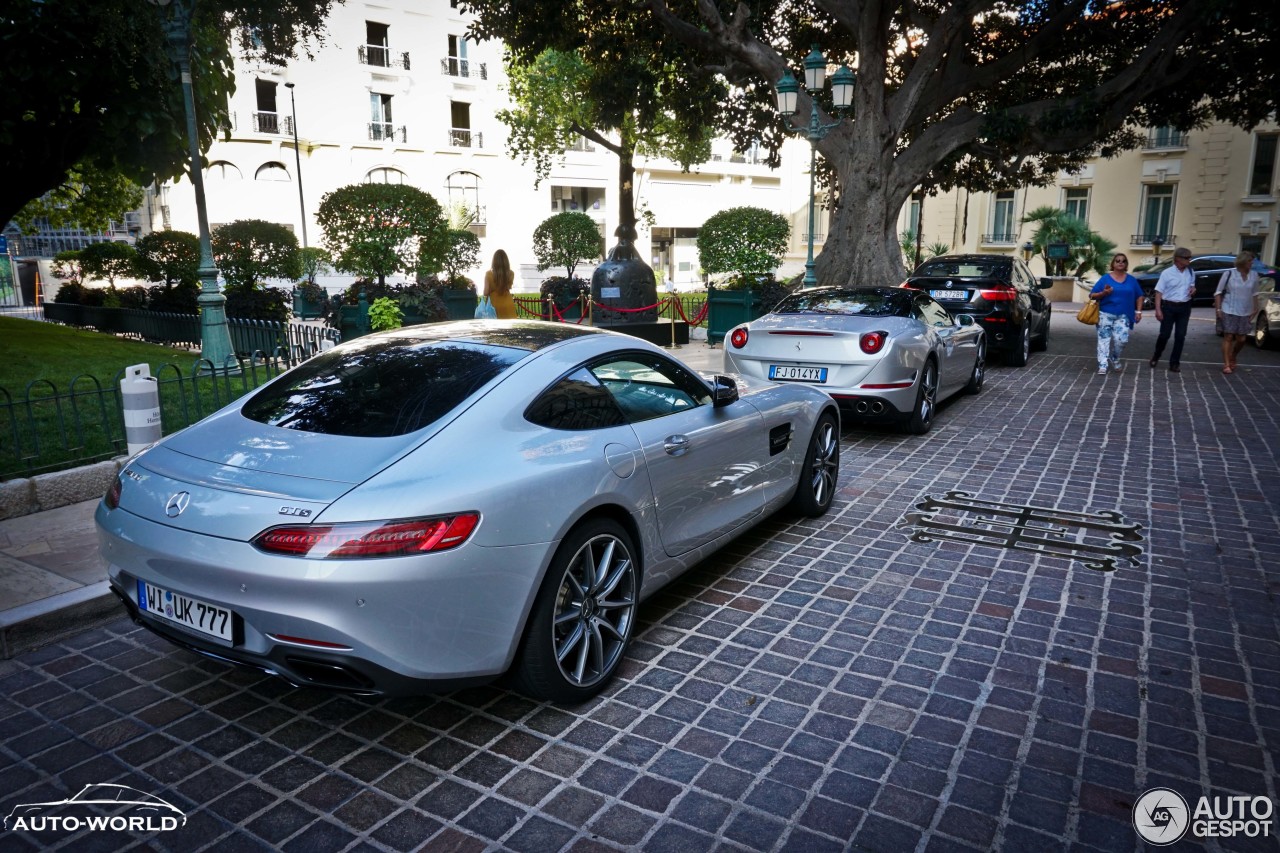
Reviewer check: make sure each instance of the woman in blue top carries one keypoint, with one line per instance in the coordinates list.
(1120, 305)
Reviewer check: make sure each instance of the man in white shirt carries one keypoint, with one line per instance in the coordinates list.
(1173, 294)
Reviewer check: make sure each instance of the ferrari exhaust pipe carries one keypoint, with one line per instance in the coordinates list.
(877, 408)
(862, 407)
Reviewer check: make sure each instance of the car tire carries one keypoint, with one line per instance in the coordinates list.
(1041, 343)
(921, 418)
(1262, 337)
(1020, 354)
(583, 616)
(979, 374)
(816, 486)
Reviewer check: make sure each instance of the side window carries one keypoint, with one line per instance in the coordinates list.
(576, 402)
(934, 314)
(648, 386)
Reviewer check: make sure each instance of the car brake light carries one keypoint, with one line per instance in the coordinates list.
(112, 497)
(872, 342)
(368, 538)
(739, 338)
(1000, 293)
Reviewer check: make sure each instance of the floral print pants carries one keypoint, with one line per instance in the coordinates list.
(1113, 334)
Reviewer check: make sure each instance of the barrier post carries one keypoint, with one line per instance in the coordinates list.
(140, 398)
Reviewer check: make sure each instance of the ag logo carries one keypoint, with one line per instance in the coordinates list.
(1161, 816)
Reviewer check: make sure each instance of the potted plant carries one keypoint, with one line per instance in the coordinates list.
(747, 244)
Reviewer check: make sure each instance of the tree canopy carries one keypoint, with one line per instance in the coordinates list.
(89, 86)
(566, 240)
(977, 94)
(377, 230)
(610, 77)
(108, 260)
(171, 257)
(749, 241)
(250, 250)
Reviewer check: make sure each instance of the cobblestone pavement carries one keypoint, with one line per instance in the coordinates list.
(818, 685)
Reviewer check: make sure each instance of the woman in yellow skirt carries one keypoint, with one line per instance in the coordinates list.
(497, 286)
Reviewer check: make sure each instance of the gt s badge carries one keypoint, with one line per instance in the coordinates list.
(299, 512)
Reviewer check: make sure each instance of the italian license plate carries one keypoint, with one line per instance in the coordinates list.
(949, 294)
(199, 616)
(789, 373)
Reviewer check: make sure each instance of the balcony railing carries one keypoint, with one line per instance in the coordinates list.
(461, 137)
(382, 131)
(272, 123)
(1168, 241)
(456, 66)
(999, 238)
(382, 56)
(1164, 138)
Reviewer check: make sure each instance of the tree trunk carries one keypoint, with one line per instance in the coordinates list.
(862, 248)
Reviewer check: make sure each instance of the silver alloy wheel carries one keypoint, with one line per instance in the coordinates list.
(1026, 342)
(979, 374)
(826, 459)
(594, 608)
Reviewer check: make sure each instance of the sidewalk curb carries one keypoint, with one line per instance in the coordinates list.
(25, 495)
(39, 623)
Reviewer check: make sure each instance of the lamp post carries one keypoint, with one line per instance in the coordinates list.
(815, 70)
(297, 156)
(1028, 249)
(1156, 243)
(215, 339)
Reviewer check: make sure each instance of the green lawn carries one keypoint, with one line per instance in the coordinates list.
(34, 350)
(58, 406)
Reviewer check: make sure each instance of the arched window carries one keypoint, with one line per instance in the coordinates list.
(462, 190)
(384, 176)
(221, 170)
(272, 172)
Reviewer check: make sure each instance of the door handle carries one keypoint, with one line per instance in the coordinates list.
(676, 445)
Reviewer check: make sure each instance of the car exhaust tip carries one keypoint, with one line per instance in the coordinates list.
(862, 407)
(877, 408)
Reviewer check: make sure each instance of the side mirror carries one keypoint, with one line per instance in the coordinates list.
(723, 391)
(965, 320)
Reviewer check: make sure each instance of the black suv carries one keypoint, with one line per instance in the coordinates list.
(1001, 294)
(1208, 270)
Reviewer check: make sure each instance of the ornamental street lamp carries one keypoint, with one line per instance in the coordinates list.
(297, 155)
(815, 70)
(215, 339)
(1028, 249)
(1156, 243)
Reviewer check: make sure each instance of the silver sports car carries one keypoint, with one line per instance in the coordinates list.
(439, 505)
(883, 353)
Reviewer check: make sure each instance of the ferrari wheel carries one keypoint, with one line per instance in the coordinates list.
(583, 616)
(979, 374)
(921, 418)
(816, 488)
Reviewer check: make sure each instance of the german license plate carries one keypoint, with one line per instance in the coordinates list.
(199, 616)
(949, 294)
(789, 373)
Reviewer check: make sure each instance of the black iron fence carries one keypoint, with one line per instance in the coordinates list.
(291, 342)
(46, 428)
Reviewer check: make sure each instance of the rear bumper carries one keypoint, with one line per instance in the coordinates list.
(866, 407)
(301, 667)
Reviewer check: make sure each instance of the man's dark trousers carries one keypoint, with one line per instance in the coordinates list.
(1176, 315)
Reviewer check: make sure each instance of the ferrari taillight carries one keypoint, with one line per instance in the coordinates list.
(358, 540)
(872, 342)
(739, 338)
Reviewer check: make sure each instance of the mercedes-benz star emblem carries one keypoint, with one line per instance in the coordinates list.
(177, 504)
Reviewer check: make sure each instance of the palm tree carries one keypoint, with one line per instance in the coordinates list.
(1088, 249)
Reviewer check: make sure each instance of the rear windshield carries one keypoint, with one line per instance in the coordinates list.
(389, 386)
(966, 269)
(869, 302)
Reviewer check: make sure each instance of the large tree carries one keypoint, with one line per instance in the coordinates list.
(977, 94)
(89, 85)
(612, 79)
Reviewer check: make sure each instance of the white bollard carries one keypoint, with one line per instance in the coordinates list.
(141, 398)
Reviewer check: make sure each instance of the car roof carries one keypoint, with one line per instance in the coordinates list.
(972, 256)
(530, 335)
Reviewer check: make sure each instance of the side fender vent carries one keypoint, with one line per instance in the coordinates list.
(779, 439)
